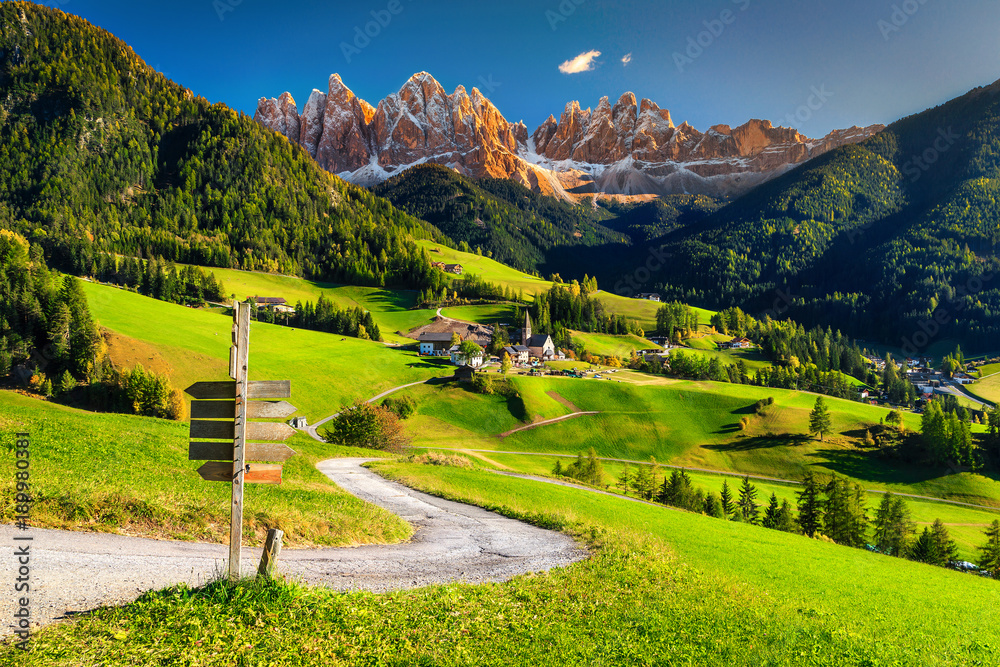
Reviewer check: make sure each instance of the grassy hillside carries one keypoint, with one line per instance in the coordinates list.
(643, 311)
(608, 345)
(390, 308)
(694, 424)
(965, 524)
(327, 371)
(122, 473)
(664, 587)
(104, 154)
(489, 269)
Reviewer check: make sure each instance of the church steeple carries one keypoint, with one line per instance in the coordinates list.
(526, 332)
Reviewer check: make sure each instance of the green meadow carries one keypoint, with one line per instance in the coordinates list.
(662, 587)
(965, 524)
(607, 345)
(391, 309)
(683, 423)
(486, 268)
(327, 371)
(123, 473)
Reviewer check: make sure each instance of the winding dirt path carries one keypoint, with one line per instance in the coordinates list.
(311, 428)
(542, 423)
(73, 572)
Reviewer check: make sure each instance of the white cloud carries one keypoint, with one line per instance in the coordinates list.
(582, 63)
(626, 59)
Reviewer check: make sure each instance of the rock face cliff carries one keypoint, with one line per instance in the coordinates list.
(628, 148)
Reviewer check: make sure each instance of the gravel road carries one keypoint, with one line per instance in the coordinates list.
(72, 572)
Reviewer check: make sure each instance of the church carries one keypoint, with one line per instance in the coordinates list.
(540, 346)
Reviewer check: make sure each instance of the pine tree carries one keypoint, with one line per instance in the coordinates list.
(989, 559)
(892, 526)
(819, 419)
(922, 549)
(558, 468)
(934, 546)
(624, 480)
(726, 498)
(845, 520)
(946, 547)
(713, 506)
(749, 509)
(810, 506)
(786, 518)
(770, 519)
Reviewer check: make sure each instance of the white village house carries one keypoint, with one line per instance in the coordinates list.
(459, 359)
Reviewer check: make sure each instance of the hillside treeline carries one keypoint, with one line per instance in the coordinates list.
(99, 153)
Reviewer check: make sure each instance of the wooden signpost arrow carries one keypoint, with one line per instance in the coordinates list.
(220, 412)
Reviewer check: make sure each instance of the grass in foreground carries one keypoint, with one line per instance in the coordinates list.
(128, 474)
(664, 587)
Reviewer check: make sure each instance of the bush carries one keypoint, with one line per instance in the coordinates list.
(368, 426)
(402, 406)
(438, 459)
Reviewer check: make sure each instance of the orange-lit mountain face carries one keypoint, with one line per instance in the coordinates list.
(629, 148)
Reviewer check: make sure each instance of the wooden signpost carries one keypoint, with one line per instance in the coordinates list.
(222, 436)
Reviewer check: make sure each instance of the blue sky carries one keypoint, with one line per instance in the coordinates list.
(856, 61)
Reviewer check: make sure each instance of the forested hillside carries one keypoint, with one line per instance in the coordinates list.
(100, 153)
(895, 238)
(506, 220)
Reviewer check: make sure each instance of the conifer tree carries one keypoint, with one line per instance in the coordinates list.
(786, 518)
(934, 546)
(819, 419)
(989, 559)
(713, 506)
(749, 509)
(770, 519)
(892, 526)
(810, 506)
(624, 480)
(726, 498)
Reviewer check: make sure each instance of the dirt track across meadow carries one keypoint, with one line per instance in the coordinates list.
(74, 572)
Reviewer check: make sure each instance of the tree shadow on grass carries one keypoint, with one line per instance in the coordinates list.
(868, 466)
(423, 363)
(761, 442)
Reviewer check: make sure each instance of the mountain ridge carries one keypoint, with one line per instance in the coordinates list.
(631, 148)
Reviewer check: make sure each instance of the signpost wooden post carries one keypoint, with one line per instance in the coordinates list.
(220, 413)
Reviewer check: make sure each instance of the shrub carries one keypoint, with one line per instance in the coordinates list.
(368, 426)
(401, 406)
(438, 459)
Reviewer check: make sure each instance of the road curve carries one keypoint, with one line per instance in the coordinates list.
(72, 572)
(311, 429)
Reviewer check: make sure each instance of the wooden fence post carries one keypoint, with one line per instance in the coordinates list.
(272, 547)
(242, 358)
